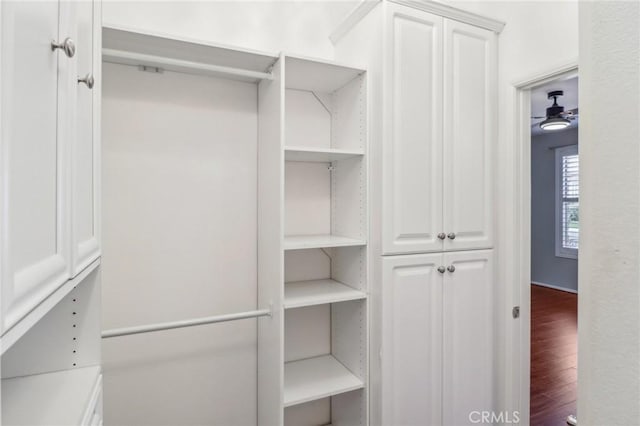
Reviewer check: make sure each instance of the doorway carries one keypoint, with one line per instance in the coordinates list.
(555, 231)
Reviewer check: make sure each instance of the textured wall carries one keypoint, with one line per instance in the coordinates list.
(546, 267)
(609, 303)
(294, 26)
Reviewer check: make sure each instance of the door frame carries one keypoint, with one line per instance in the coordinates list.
(519, 354)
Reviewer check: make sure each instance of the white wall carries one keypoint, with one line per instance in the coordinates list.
(294, 26)
(179, 161)
(609, 303)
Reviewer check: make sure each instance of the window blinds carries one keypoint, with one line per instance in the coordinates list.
(570, 190)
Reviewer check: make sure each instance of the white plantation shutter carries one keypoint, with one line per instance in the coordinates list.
(568, 201)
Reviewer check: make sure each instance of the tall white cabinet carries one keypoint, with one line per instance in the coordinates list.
(441, 86)
(433, 132)
(50, 280)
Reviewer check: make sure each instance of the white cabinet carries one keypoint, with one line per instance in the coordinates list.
(412, 183)
(48, 175)
(85, 148)
(35, 254)
(439, 90)
(49, 315)
(470, 91)
(437, 338)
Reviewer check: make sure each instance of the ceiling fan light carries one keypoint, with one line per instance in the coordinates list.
(556, 123)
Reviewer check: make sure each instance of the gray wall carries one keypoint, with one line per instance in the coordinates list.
(546, 268)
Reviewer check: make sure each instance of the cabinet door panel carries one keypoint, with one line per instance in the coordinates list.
(34, 229)
(468, 342)
(470, 70)
(85, 151)
(412, 150)
(411, 340)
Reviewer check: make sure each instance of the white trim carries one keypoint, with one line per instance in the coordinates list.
(436, 8)
(555, 287)
(566, 252)
(564, 70)
(352, 19)
(455, 14)
(515, 261)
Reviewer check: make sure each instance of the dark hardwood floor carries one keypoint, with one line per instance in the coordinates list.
(553, 355)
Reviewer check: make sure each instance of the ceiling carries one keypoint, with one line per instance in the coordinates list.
(540, 103)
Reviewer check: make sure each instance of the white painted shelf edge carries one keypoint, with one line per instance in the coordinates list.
(318, 292)
(319, 155)
(24, 325)
(315, 378)
(58, 398)
(296, 242)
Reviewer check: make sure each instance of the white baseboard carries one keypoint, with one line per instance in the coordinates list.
(555, 287)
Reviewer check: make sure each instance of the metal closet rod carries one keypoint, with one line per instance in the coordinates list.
(112, 55)
(126, 331)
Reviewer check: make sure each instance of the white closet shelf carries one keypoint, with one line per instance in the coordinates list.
(296, 242)
(316, 378)
(24, 325)
(319, 155)
(59, 398)
(318, 292)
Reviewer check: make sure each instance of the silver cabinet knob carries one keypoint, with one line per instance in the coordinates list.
(442, 235)
(68, 46)
(441, 269)
(451, 236)
(88, 80)
(451, 268)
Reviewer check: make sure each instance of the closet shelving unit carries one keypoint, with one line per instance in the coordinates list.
(312, 221)
(325, 243)
(63, 380)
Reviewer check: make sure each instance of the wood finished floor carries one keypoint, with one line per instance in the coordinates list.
(554, 320)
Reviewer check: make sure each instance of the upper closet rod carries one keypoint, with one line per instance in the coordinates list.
(126, 331)
(131, 58)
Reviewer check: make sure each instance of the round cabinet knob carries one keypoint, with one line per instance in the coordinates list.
(441, 269)
(451, 268)
(451, 236)
(88, 80)
(68, 46)
(442, 235)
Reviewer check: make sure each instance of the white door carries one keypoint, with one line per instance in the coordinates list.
(412, 340)
(35, 258)
(412, 149)
(468, 341)
(470, 71)
(85, 148)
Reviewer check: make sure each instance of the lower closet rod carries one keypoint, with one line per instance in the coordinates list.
(184, 323)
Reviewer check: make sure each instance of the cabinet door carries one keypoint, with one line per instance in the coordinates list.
(468, 340)
(35, 214)
(412, 340)
(85, 147)
(470, 71)
(412, 149)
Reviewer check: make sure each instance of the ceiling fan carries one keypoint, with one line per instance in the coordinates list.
(557, 118)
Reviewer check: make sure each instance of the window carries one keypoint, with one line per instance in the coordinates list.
(567, 201)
